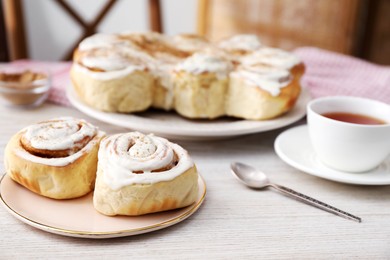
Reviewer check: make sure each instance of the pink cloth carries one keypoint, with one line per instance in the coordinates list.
(327, 73)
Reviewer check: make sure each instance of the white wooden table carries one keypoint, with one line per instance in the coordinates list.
(234, 222)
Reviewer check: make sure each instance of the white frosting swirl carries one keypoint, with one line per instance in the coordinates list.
(273, 57)
(188, 42)
(106, 63)
(108, 75)
(244, 42)
(269, 79)
(65, 133)
(108, 56)
(115, 62)
(133, 158)
(205, 62)
(98, 40)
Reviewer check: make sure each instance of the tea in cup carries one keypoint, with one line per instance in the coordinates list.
(349, 134)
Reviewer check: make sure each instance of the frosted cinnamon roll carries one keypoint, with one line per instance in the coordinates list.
(140, 174)
(200, 85)
(261, 92)
(132, 72)
(165, 55)
(112, 74)
(55, 158)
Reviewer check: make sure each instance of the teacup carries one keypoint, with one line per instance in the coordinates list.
(346, 146)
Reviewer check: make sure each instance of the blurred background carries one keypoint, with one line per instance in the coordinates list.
(50, 29)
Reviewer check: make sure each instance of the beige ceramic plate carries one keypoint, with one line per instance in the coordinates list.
(78, 218)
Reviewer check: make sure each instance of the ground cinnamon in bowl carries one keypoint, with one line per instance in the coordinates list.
(26, 88)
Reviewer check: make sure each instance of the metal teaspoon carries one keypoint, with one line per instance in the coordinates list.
(257, 179)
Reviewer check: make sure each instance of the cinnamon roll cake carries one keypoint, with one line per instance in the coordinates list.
(132, 72)
(139, 174)
(55, 158)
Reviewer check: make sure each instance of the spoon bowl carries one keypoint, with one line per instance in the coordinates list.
(250, 176)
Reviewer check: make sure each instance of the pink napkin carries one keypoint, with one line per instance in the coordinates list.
(329, 73)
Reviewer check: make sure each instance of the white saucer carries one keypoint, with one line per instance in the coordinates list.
(293, 147)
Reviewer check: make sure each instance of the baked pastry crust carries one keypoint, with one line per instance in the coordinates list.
(200, 85)
(153, 175)
(140, 199)
(48, 172)
(163, 96)
(200, 96)
(131, 93)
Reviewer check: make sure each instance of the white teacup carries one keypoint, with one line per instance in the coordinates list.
(351, 147)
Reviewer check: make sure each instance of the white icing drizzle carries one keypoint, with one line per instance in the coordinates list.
(189, 43)
(272, 56)
(108, 75)
(62, 161)
(269, 79)
(245, 42)
(59, 134)
(205, 62)
(107, 63)
(110, 53)
(150, 36)
(121, 156)
(98, 40)
(118, 57)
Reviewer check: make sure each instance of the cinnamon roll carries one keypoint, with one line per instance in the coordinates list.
(165, 55)
(200, 86)
(140, 174)
(275, 57)
(112, 74)
(261, 92)
(55, 158)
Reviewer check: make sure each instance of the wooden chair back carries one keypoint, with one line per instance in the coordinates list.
(14, 25)
(332, 25)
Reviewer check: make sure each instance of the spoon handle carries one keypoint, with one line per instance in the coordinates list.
(316, 203)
